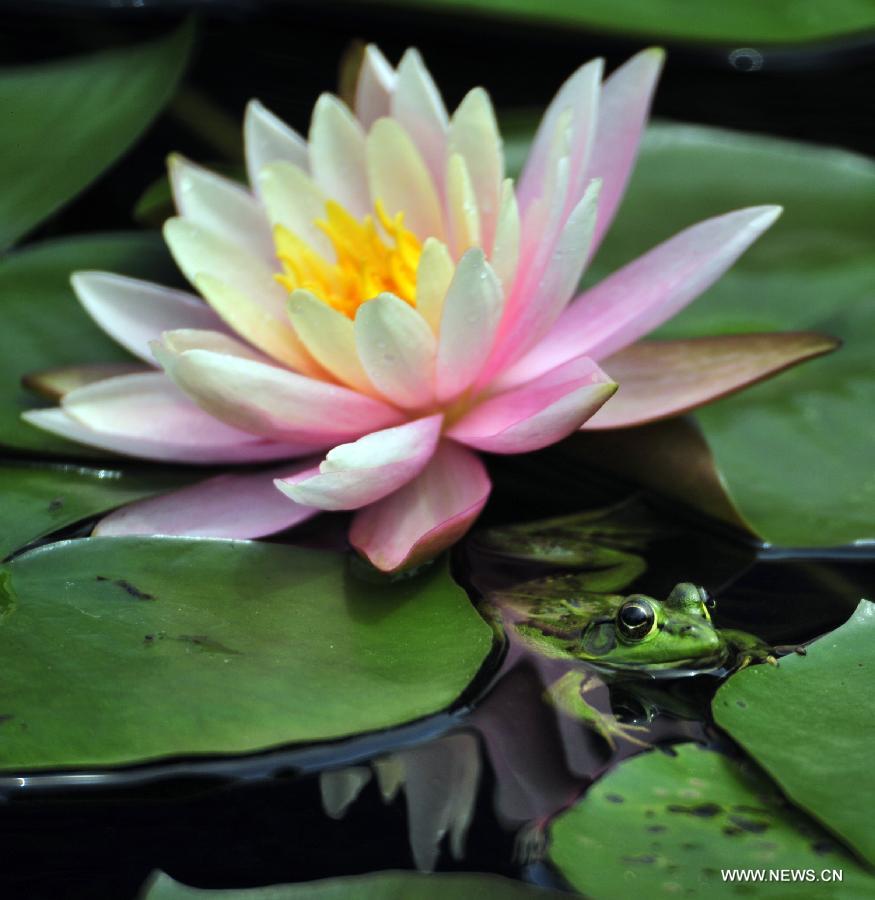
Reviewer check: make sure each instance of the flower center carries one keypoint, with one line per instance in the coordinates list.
(370, 258)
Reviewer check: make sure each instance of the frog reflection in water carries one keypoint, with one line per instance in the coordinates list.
(624, 637)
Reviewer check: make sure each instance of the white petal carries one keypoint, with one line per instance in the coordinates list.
(221, 206)
(397, 350)
(475, 136)
(273, 402)
(433, 276)
(463, 217)
(374, 88)
(135, 312)
(337, 155)
(471, 314)
(329, 338)
(240, 288)
(353, 475)
(400, 180)
(294, 201)
(268, 139)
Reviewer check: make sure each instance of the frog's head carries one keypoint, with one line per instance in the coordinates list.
(647, 634)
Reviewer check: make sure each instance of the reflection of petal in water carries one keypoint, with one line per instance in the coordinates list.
(340, 788)
(440, 780)
(390, 775)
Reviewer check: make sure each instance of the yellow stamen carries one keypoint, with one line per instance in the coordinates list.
(369, 259)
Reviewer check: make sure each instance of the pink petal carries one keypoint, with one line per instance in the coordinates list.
(469, 321)
(623, 108)
(375, 86)
(539, 413)
(134, 312)
(363, 472)
(417, 104)
(427, 515)
(658, 379)
(268, 139)
(579, 96)
(642, 295)
(539, 302)
(180, 448)
(236, 506)
(272, 402)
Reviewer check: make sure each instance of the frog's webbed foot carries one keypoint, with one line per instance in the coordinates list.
(748, 649)
(530, 843)
(567, 694)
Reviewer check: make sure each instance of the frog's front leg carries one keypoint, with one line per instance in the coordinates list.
(748, 648)
(568, 695)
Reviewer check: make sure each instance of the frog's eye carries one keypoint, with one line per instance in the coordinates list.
(635, 620)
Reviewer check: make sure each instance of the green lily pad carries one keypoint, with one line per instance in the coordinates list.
(45, 327)
(777, 21)
(271, 644)
(39, 500)
(809, 724)
(378, 886)
(795, 452)
(665, 825)
(65, 122)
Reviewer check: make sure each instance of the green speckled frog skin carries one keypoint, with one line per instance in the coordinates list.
(632, 636)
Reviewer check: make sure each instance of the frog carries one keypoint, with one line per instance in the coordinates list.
(618, 637)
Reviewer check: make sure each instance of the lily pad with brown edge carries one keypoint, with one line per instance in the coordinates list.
(809, 724)
(795, 452)
(669, 824)
(123, 650)
(41, 499)
(44, 327)
(376, 886)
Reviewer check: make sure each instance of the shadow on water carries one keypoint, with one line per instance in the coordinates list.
(472, 788)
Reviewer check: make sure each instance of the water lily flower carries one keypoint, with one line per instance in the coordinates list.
(385, 296)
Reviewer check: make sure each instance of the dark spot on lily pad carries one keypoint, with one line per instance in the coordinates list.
(741, 704)
(128, 588)
(614, 798)
(56, 504)
(645, 859)
(703, 810)
(749, 824)
(655, 829)
(732, 830)
(5, 717)
(822, 847)
(690, 845)
(204, 642)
